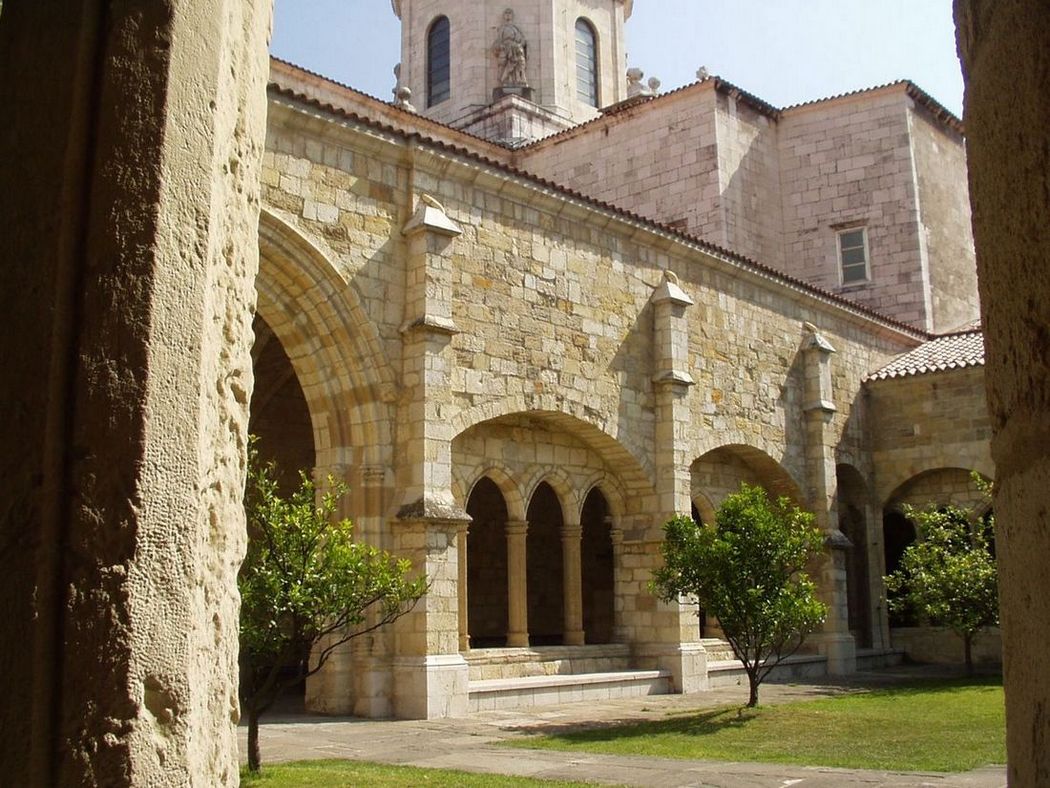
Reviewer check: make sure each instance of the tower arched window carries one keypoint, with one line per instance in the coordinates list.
(439, 63)
(586, 63)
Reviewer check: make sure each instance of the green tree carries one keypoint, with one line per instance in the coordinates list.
(748, 571)
(306, 588)
(948, 576)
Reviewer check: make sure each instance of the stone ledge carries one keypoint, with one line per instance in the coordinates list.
(502, 694)
(540, 682)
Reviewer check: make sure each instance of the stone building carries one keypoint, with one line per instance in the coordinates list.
(132, 162)
(531, 309)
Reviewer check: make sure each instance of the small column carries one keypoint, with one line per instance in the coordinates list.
(619, 633)
(517, 587)
(572, 583)
(834, 640)
(464, 622)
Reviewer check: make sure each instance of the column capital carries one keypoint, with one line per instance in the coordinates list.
(571, 531)
(517, 527)
(373, 475)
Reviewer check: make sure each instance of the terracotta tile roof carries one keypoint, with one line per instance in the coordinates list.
(950, 351)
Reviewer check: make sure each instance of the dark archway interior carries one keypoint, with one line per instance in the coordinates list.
(280, 418)
(897, 533)
(597, 569)
(544, 568)
(487, 566)
(858, 594)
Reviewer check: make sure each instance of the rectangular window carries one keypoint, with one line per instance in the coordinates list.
(853, 256)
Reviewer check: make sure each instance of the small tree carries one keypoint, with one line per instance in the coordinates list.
(747, 571)
(949, 575)
(306, 589)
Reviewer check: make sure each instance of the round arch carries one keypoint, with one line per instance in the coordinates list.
(333, 346)
(560, 483)
(937, 486)
(628, 456)
(720, 471)
(507, 485)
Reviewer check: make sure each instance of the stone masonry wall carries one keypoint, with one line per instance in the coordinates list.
(944, 208)
(749, 172)
(551, 301)
(848, 163)
(927, 422)
(660, 164)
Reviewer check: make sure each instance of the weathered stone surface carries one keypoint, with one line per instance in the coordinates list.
(1005, 50)
(132, 188)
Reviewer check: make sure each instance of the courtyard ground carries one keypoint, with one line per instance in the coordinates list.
(475, 743)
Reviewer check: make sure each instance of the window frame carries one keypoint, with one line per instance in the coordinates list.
(594, 98)
(446, 92)
(840, 233)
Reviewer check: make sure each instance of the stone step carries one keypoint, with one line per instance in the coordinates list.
(527, 691)
(730, 672)
(873, 659)
(511, 663)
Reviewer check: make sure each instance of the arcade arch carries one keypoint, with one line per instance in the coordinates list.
(720, 472)
(546, 509)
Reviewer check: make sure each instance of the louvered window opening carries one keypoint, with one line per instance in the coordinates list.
(439, 62)
(586, 63)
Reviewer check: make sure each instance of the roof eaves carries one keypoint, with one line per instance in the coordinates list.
(938, 110)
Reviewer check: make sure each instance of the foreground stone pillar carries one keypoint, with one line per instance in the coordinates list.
(1005, 49)
(834, 640)
(572, 582)
(517, 585)
(132, 148)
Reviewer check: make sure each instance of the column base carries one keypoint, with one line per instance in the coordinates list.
(574, 638)
(840, 650)
(430, 688)
(687, 664)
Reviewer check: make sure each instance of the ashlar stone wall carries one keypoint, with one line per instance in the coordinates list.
(928, 422)
(778, 186)
(534, 302)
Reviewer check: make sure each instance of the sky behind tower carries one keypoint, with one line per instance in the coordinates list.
(784, 51)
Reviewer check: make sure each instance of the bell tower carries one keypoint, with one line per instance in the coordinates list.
(513, 70)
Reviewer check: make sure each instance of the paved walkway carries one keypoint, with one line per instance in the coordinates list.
(472, 744)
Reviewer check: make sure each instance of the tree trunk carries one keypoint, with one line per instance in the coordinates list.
(752, 700)
(968, 650)
(254, 760)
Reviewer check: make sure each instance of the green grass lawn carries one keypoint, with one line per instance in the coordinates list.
(945, 726)
(341, 774)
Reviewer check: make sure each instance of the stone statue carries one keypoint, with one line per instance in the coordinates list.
(511, 52)
(635, 87)
(634, 82)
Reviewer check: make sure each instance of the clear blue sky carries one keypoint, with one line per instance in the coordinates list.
(783, 51)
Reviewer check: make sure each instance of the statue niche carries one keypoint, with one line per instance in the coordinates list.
(511, 51)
